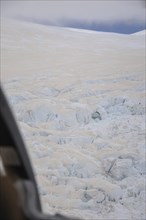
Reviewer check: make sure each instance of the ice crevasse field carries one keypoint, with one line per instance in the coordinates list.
(79, 100)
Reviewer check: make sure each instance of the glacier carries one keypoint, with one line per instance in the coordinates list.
(79, 101)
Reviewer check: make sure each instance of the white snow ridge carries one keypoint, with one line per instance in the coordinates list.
(79, 99)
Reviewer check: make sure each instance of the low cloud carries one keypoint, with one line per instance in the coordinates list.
(57, 12)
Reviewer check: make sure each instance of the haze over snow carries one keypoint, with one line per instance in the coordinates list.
(109, 15)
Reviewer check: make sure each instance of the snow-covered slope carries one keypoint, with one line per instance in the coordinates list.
(140, 33)
(79, 98)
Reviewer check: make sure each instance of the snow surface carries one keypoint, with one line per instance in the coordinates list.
(79, 99)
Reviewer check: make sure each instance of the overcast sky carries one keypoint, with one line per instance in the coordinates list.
(99, 12)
